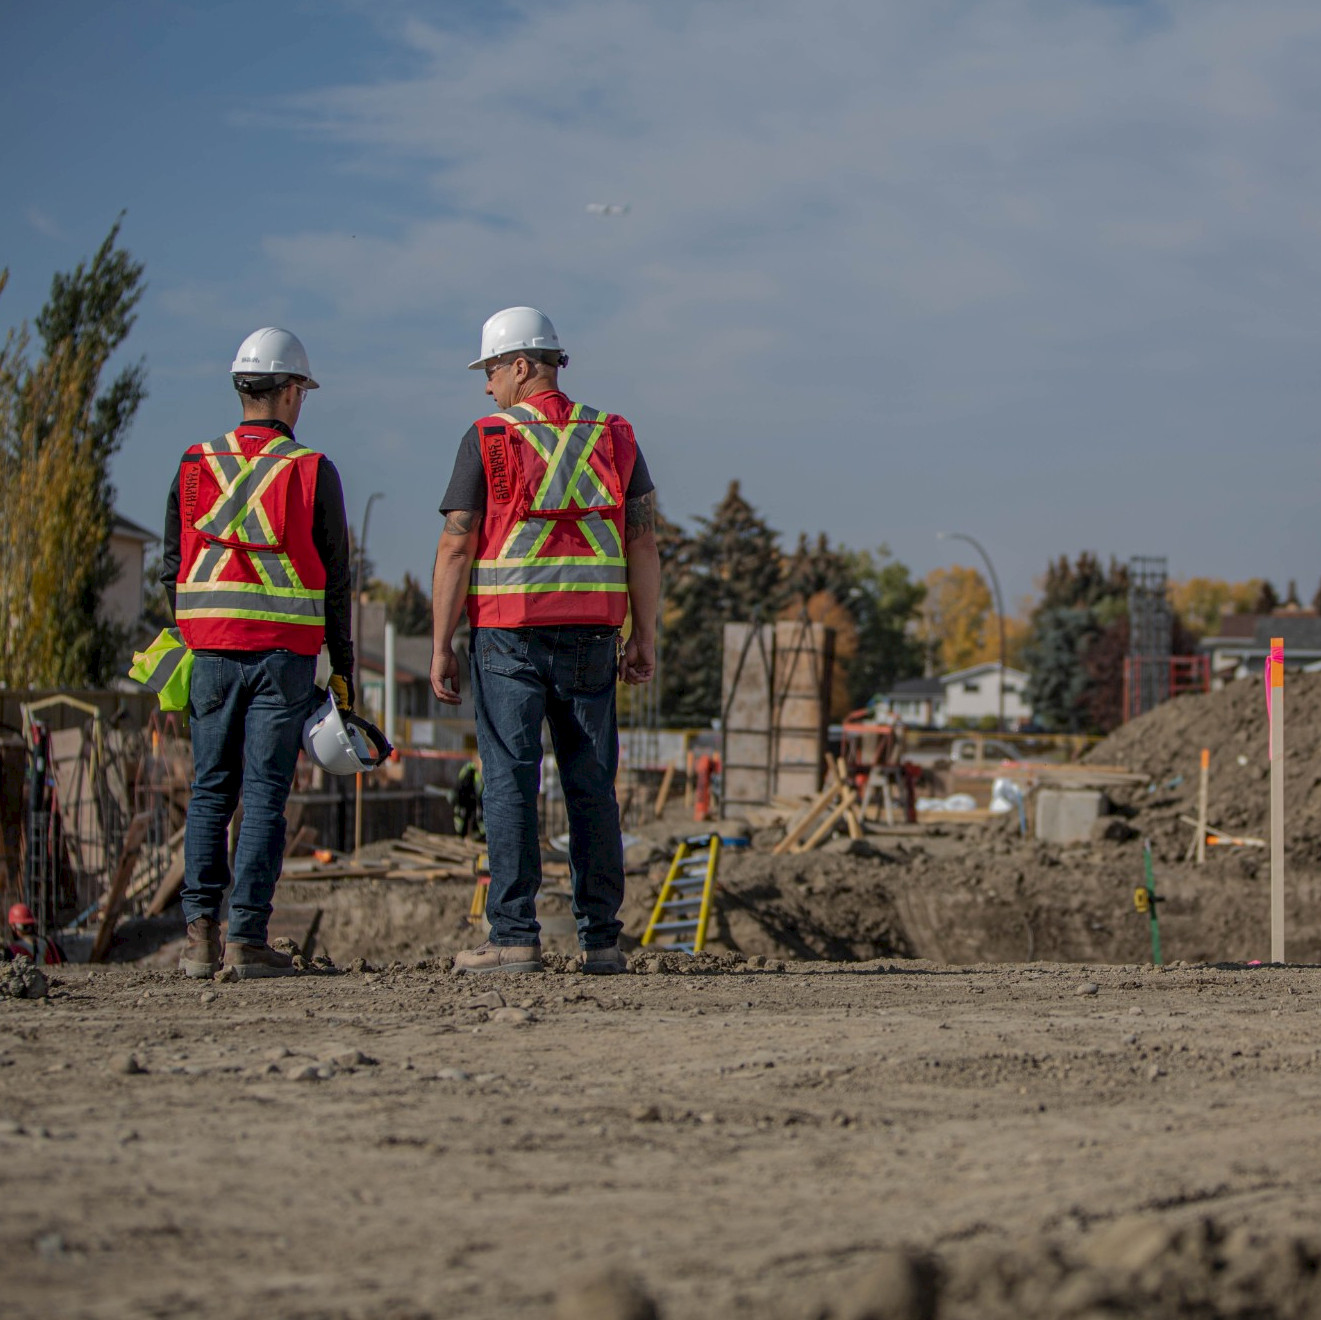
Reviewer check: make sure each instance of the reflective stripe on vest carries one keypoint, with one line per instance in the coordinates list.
(238, 523)
(571, 489)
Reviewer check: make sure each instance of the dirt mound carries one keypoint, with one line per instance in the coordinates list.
(1139, 1266)
(1167, 743)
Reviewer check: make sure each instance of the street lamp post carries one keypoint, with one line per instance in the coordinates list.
(999, 609)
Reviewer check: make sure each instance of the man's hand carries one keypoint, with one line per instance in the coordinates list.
(341, 688)
(639, 661)
(445, 676)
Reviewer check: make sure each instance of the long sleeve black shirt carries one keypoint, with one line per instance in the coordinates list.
(330, 535)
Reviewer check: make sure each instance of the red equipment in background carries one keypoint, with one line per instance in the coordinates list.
(872, 751)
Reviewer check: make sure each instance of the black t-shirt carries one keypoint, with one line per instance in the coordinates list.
(467, 488)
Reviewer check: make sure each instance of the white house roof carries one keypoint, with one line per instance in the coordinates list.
(121, 526)
(988, 667)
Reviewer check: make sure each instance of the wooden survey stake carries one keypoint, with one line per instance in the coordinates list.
(1275, 721)
(1201, 806)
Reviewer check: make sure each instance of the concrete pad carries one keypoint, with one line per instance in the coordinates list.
(1067, 815)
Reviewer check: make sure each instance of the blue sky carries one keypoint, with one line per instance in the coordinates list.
(1043, 272)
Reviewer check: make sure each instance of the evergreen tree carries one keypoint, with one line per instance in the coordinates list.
(730, 571)
(818, 567)
(886, 602)
(59, 430)
(409, 609)
(1267, 601)
(1058, 676)
(1075, 652)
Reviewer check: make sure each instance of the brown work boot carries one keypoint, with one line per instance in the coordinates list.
(249, 960)
(201, 950)
(490, 957)
(603, 962)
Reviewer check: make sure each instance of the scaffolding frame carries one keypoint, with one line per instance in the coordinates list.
(1151, 635)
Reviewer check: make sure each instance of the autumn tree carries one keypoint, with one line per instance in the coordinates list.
(59, 430)
(1201, 602)
(958, 619)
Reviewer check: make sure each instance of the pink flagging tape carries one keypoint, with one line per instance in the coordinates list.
(1274, 678)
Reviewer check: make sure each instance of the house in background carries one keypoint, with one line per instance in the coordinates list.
(1243, 641)
(964, 698)
(972, 695)
(420, 719)
(122, 601)
(919, 702)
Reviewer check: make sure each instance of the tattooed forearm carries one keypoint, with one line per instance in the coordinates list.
(461, 521)
(640, 515)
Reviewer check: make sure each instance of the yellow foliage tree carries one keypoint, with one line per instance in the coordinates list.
(958, 625)
(1200, 601)
(57, 435)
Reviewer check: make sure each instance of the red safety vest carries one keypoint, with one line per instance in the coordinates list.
(250, 576)
(550, 548)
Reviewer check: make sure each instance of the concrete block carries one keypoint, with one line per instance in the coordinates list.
(1066, 815)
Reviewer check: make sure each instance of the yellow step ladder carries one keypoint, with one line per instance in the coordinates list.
(683, 906)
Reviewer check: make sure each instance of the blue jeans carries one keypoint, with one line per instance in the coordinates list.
(565, 675)
(247, 710)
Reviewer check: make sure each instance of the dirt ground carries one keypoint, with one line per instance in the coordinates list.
(867, 1102)
(1044, 1139)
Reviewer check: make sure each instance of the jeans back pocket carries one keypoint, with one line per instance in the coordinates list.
(597, 661)
(502, 650)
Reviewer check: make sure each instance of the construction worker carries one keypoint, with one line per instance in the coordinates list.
(549, 539)
(468, 801)
(256, 568)
(23, 940)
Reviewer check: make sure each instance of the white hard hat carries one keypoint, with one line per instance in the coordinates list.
(515, 328)
(273, 352)
(342, 744)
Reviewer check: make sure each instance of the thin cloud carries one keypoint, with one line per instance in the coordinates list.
(1001, 252)
(44, 225)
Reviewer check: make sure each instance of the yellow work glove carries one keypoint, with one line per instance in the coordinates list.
(341, 688)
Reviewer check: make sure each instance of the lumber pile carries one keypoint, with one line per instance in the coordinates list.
(836, 803)
(419, 855)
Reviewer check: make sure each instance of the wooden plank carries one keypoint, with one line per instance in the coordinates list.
(448, 846)
(800, 826)
(846, 799)
(663, 792)
(133, 841)
(171, 883)
(850, 816)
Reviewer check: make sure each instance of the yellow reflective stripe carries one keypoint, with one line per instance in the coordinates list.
(562, 435)
(252, 504)
(583, 466)
(275, 456)
(258, 559)
(518, 422)
(533, 588)
(254, 588)
(507, 555)
(194, 573)
(227, 612)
